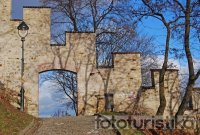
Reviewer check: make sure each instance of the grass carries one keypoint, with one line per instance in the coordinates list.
(12, 121)
(112, 113)
(131, 132)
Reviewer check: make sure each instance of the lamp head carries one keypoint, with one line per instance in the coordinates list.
(23, 29)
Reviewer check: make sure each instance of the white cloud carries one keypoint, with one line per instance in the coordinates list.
(174, 62)
(47, 99)
(183, 68)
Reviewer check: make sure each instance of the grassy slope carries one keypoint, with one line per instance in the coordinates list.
(11, 119)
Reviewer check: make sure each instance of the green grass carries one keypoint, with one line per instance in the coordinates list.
(130, 132)
(112, 113)
(12, 120)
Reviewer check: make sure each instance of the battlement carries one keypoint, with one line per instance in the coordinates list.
(170, 74)
(128, 59)
(5, 10)
(150, 95)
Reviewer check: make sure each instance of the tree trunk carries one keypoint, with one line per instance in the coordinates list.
(162, 105)
(191, 81)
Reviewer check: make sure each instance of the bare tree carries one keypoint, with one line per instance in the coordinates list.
(178, 18)
(190, 12)
(113, 24)
(157, 10)
(65, 83)
(60, 113)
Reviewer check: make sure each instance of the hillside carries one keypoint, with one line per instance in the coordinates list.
(11, 119)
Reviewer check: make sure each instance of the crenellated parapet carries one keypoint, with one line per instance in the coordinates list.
(150, 95)
(5, 8)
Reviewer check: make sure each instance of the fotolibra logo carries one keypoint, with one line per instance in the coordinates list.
(146, 122)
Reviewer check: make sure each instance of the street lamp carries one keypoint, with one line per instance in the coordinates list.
(23, 32)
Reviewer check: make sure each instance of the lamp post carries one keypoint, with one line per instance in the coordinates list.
(109, 103)
(23, 32)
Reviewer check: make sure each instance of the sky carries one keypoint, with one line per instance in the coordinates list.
(50, 99)
(48, 103)
(18, 4)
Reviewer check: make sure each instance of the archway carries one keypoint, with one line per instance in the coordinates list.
(57, 93)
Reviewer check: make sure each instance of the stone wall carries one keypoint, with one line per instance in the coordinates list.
(196, 101)
(36, 45)
(77, 55)
(150, 96)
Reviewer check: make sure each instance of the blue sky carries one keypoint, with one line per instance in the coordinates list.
(18, 4)
(49, 103)
(50, 98)
(150, 26)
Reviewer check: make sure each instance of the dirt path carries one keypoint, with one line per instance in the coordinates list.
(81, 125)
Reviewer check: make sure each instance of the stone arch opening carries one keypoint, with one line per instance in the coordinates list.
(57, 93)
